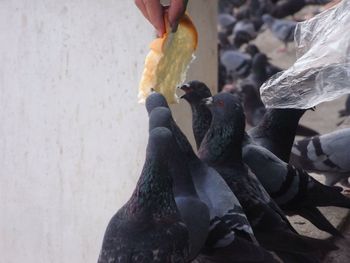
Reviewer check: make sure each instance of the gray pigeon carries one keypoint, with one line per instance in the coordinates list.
(148, 228)
(231, 236)
(327, 154)
(222, 149)
(193, 211)
(226, 23)
(293, 189)
(281, 29)
(236, 63)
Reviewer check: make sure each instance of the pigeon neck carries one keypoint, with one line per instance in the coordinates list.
(153, 194)
(280, 125)
(185, 148)
(183, 184)
(222, 144)
(201, 119)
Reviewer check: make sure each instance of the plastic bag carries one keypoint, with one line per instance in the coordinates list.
(322, 70)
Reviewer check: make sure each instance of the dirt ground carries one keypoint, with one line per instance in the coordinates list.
(324, 120)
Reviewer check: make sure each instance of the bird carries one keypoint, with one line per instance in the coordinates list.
(254, 109)
(287, 8)
(327, 154)
(195, 92)
(236, 63)
(283, 30)
(201, 117)
(148, 228)
(226, 23)
(345, 112)
(194, 212)
(231, 235)
(246, 28)
(221, 148)
(277, 130)
(293, 189)
(259, 73)
(271, 69)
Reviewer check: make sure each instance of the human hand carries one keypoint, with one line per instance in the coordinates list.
(154, 12)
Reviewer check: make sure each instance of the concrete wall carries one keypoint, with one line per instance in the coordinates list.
(72, 137)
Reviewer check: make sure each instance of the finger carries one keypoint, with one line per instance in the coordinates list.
(176, 10)
(141, 6)
(155, 14)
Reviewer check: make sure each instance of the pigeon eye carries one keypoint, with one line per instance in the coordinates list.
(220, 103)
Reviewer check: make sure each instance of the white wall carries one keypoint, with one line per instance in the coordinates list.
(72, 137)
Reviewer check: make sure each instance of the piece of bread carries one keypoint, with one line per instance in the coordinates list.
(168, 60)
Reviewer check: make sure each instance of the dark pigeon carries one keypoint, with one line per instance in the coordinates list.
(345, 112)
(277, 130)
(281, 29)
(222, 149)
(254, 109)
(195, 92)
(148, 228)
(293, 189)
(230, 235)
(271, 69)
(327, 154)
(244, 29)
(193, 211)
(287, 7)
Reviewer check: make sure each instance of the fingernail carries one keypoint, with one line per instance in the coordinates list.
(174, 26)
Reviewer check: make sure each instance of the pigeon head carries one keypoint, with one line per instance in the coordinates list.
(252, 49)
(223, 141)
(268, 19)
(160, 117)
(240, 38)
(195, 91)
(154, 100)
(226, 108)
(260, 60)
(159, 142)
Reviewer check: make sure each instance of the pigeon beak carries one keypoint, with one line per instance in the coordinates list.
(208, 101)
(152, 91)
(184, 88)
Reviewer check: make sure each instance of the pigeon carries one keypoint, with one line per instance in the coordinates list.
(277, 130)
(148, 228)
(194, 212)
(226, 23)
(254, 109)
(201, 116)
(327, 154)
(345, 112)
(245, 29)
(195, 92)
(231, 235)
(236, 63)
(221, 148)
(287, 8)
(281, 29)
(293, 189)
(271, 69)
(259, 73)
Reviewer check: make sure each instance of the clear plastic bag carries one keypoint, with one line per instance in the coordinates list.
(322, 70)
